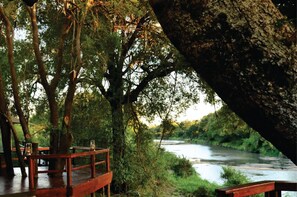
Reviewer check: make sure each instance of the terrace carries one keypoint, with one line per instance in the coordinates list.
(86, 171)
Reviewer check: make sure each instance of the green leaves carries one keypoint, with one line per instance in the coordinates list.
(233, 177)
(10, 9)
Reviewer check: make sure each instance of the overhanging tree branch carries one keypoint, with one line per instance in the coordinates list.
(254, 69)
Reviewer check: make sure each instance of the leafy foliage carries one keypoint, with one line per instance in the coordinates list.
(226, 129)
(222, 128)
(233, 177)
(183, 168)
(91, 120)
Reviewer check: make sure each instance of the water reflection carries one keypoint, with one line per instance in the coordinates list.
(209, 172)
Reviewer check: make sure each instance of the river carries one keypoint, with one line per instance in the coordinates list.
(208, 162)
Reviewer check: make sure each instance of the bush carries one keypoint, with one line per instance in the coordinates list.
(193, 186)
(183, 168)
(233, 177)
(203, 191)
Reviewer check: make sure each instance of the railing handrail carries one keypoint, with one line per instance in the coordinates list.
(39, 149)
(273, 188)
(70, 155)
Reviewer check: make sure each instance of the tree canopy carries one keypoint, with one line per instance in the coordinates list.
(68, 54)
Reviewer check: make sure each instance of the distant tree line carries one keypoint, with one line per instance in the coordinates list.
(223, 128)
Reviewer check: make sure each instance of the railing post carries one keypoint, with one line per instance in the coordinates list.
(35, 152)
(93, 171)
(73, 151)
(107, 162)
(69, 175)
(108, 190)
(273, 194)
(31, 173)
(108, 170)
(220, 193)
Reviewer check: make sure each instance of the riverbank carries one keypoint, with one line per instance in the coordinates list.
(271, 152)
(223, 128)
(208, 161)
(235, 145)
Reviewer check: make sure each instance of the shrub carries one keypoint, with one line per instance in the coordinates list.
(183, 168)
(233, 177)
(203, 191)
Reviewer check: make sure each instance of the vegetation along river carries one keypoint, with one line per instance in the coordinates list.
(208, 162)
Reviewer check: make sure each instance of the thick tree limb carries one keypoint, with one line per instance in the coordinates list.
(41, 67)
(132, 96)
(127, 46)
(245, 51)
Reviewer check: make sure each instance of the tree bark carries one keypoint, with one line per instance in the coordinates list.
(246, 51)
(5, 131)
(57, 139)
(9, 42)
(17, 146)
(119, 146)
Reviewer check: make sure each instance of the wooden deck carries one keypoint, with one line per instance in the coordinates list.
(77, 179)
(19, 186)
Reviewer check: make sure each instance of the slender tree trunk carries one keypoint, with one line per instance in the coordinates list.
(5, 131)
(15, 90)
(17, 146)
(246, 51)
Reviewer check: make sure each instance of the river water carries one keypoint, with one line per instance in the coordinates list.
(208, 162)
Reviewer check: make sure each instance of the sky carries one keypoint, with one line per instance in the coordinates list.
(195, 112)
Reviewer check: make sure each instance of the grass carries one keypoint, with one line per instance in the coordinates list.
(187, 186)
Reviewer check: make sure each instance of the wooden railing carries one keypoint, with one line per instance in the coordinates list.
(269, 188)
(69, 168)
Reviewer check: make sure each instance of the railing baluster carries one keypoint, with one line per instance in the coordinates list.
(69, 175)
(108, 170)
(93, 171)
(107, 161)
(31, 173)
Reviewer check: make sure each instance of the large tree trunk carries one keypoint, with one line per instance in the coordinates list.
(246, 51)
(115, 98)
(119, 144)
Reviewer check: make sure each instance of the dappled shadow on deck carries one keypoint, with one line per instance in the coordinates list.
(14, 185)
